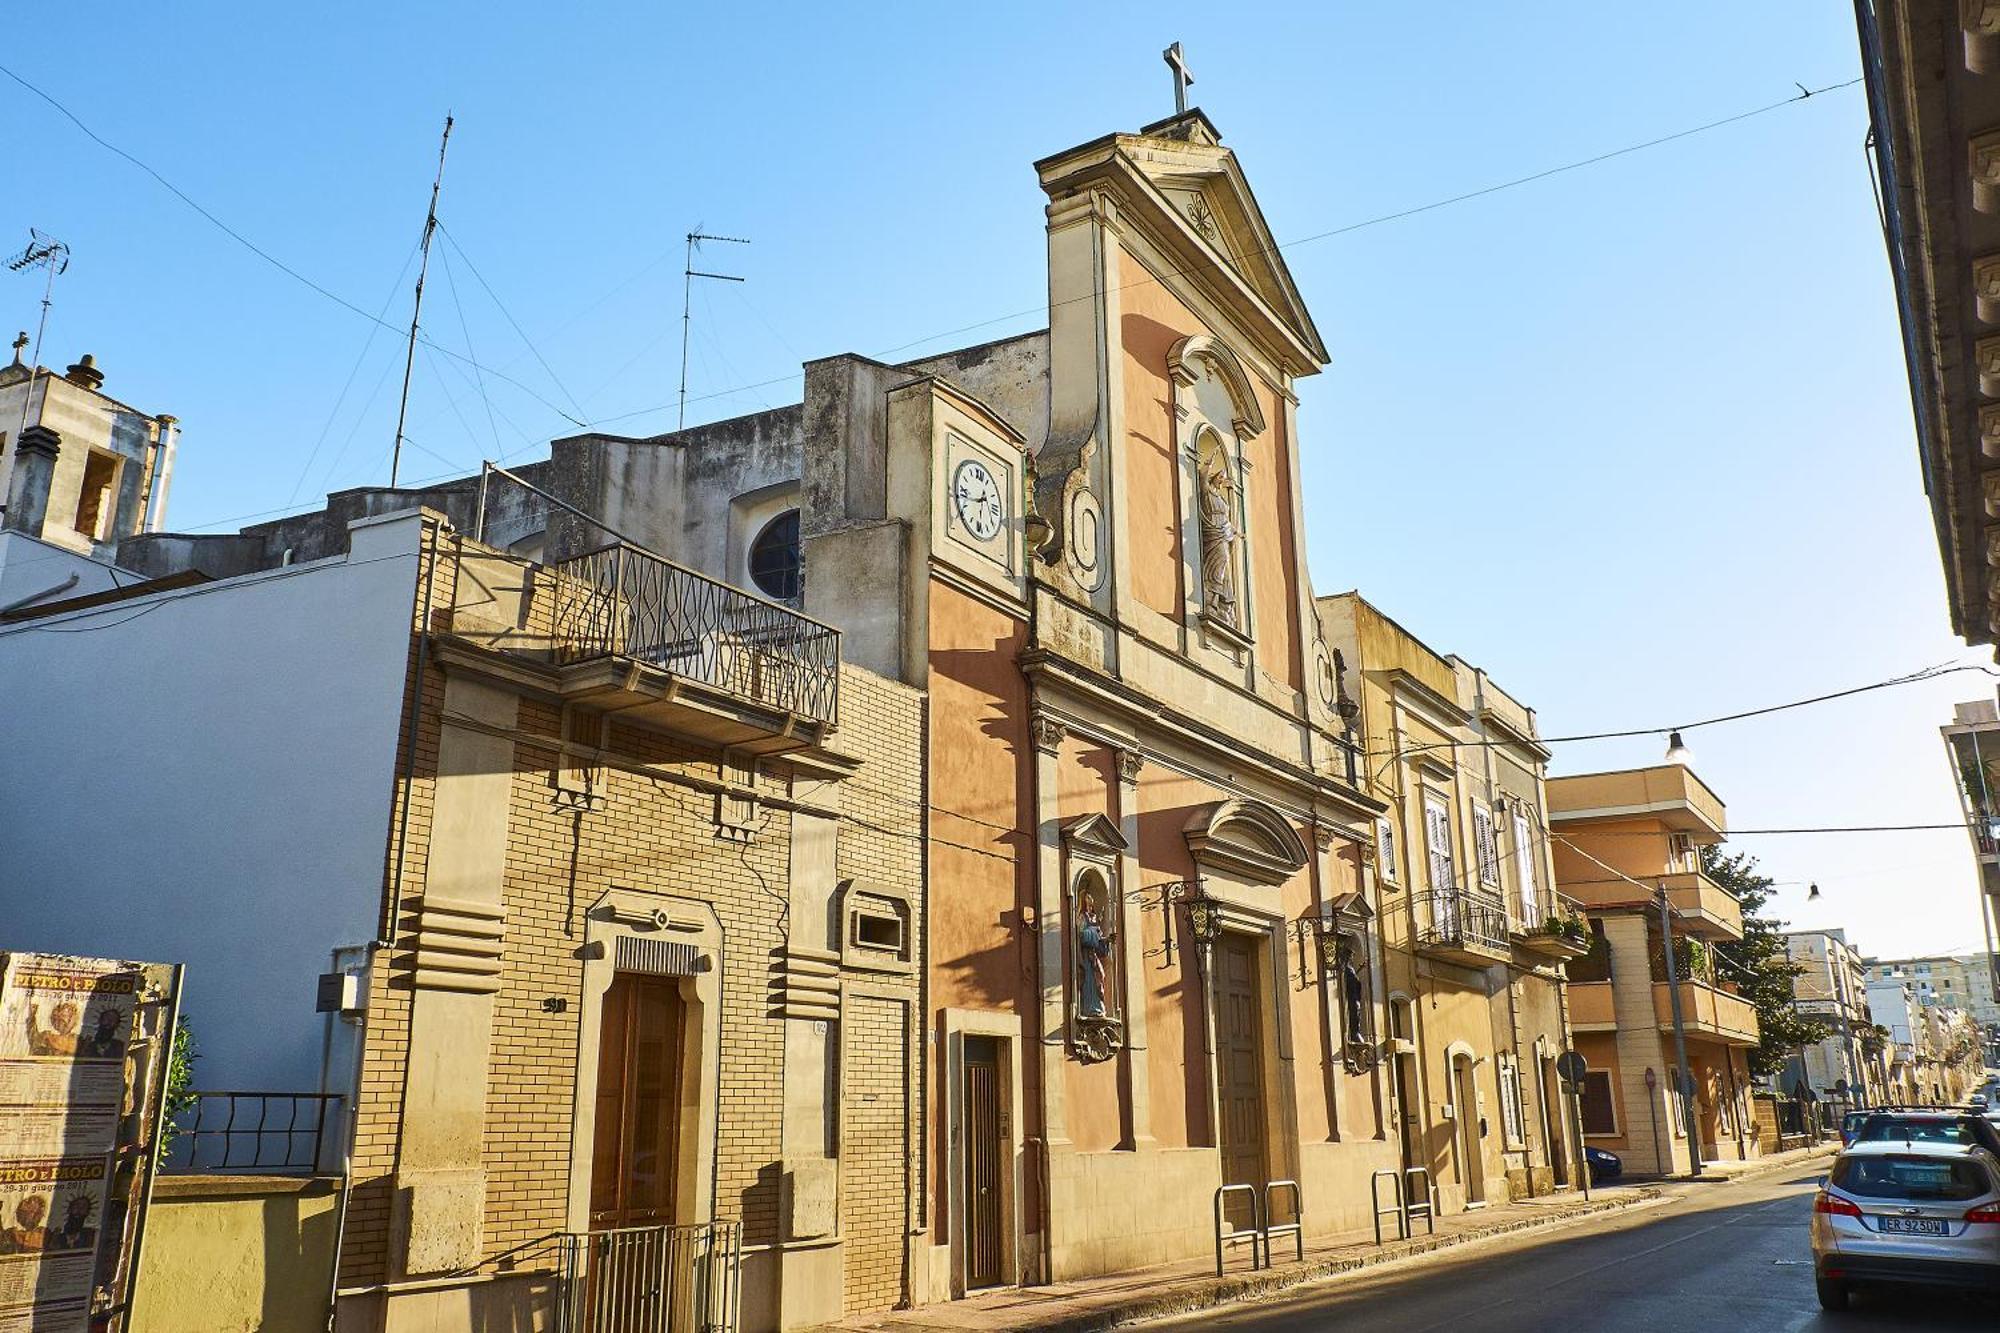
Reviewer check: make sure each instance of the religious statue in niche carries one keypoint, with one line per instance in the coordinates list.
(1358, 1050)
(1216, 508)
(1097, 1032)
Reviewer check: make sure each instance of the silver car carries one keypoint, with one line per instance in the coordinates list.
(1907, 1211)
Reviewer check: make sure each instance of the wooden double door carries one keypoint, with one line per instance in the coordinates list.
(1239, 1066)
(635, 1164)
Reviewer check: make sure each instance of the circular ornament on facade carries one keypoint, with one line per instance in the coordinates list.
(1086, 538)
(1323, 674)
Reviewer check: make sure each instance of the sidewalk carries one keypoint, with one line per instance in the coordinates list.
(1091, 1304)
(1723, 1172)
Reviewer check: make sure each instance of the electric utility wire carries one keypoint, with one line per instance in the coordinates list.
(1934, 672)
(1216, 265)
(522, 333)
(258, 250)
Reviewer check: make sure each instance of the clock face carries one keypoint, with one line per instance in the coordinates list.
(976, 496)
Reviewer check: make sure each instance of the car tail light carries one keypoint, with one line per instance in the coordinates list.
(1827, 1203)
(1988, 1213)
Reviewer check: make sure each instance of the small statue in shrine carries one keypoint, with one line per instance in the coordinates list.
(1094, 943)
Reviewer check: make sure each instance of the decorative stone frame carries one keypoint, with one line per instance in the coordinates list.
(862, 899)
(1195, 361)
(1005, 1028)
(646, 915)
(1093, 850)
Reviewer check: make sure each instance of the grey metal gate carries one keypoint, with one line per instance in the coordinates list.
(652, 1279)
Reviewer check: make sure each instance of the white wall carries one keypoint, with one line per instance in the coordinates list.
(204, 776)
(30, 567)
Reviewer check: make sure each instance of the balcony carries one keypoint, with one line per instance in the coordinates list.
(1557, 930)
(1709, 1012)
(622, 630)
(1705, 909)
(1591, 1007)
(1464, 928)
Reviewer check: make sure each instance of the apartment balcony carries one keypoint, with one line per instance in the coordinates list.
(1464, 928)
(1555, 930)
(622, 630)
(1704, 908)
(1591, 1007)
(1707, 1011)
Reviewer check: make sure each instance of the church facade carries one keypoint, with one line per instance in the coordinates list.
(1154, 836)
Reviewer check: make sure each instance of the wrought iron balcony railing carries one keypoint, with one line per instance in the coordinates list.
(1451, 919)
(623, 602)
(257, 1133)
(657, 1279)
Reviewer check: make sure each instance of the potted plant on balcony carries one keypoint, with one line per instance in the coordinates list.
(1562, 935)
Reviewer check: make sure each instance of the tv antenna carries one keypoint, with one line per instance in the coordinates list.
(423, 267)
(688, 275)
(44, 251)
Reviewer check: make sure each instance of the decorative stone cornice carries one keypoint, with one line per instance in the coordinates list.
(1986, 356)
(1984, 151)
(1981, 21)
(1129, 764)
(1047, 732)
(1989, 430)
(1993, 557)
(1989, 489)
(39, 441)
(1986, 287)
(1093, 835)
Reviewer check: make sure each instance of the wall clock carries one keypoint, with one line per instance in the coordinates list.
(977, 498)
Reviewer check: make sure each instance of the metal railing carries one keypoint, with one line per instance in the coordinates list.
(1448, 917)
(621, 601)
(1296, 1228)
(1395, 1208)
(686, 1279)
(1236, 1235)
(1418, 1202)
(252, 1133)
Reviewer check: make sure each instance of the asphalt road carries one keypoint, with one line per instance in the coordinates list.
(1716, 1257)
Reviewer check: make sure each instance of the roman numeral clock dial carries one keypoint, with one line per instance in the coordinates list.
(976, 496)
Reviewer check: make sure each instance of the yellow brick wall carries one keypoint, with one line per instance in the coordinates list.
(654, 833)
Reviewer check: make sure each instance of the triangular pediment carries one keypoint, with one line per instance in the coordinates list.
(1094, 834)
(1203, 183)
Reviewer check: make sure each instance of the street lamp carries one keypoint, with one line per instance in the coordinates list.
(1677, 750)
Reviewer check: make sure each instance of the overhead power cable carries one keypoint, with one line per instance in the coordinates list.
(259, 251)
(1936, 672)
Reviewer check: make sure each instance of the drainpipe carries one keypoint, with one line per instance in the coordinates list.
(166, 435)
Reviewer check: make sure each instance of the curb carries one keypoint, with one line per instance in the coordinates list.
(1191, 1296)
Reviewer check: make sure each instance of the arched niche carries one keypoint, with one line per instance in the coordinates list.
(1185, 360)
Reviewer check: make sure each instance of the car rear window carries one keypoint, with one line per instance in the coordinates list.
(1916, 1129)
(1912, 1178)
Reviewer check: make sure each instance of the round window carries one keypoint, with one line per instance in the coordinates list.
(775, 563)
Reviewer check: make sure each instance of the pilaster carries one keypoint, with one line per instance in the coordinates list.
(1047, 733)
(1137, 1090)
(1644, 1115)
(455, 967)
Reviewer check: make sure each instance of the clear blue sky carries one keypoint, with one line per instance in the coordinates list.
(1635, 438)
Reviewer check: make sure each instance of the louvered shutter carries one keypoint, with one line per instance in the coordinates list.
(1486, 846)
(1524, 861)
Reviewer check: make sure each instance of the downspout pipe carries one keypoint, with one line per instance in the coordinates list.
(166, 439)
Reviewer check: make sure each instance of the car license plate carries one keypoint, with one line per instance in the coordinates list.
(1917, 1226)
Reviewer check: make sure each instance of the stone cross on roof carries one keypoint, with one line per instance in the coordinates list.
(1182, 76)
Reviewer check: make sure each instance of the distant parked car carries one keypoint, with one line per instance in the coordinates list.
(1930, 1126)
(1604, 1166)
(1907, 1211)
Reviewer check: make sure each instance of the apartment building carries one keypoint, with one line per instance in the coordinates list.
(1628, 848)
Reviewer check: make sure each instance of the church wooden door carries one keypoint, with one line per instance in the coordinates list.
(1239, 1062)
(982, 1162)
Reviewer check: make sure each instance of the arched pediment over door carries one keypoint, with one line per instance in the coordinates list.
(1246, 840)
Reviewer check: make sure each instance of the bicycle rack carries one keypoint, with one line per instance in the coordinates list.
(1255, 1235)
(1395, 1208)
(1428, 1208)
(1296, 1228)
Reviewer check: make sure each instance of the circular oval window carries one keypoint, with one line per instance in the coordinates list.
(775, 562)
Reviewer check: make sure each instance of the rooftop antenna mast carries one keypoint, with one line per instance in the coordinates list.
(423, 267)
(46, 252)
(688, 275)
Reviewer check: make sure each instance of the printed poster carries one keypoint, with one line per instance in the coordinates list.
(73, 1045)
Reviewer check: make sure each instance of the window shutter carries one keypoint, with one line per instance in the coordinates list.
(1510, 1098)
(1437, 835)
(1385, 849)
(1524, 862)
(1486, 846)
